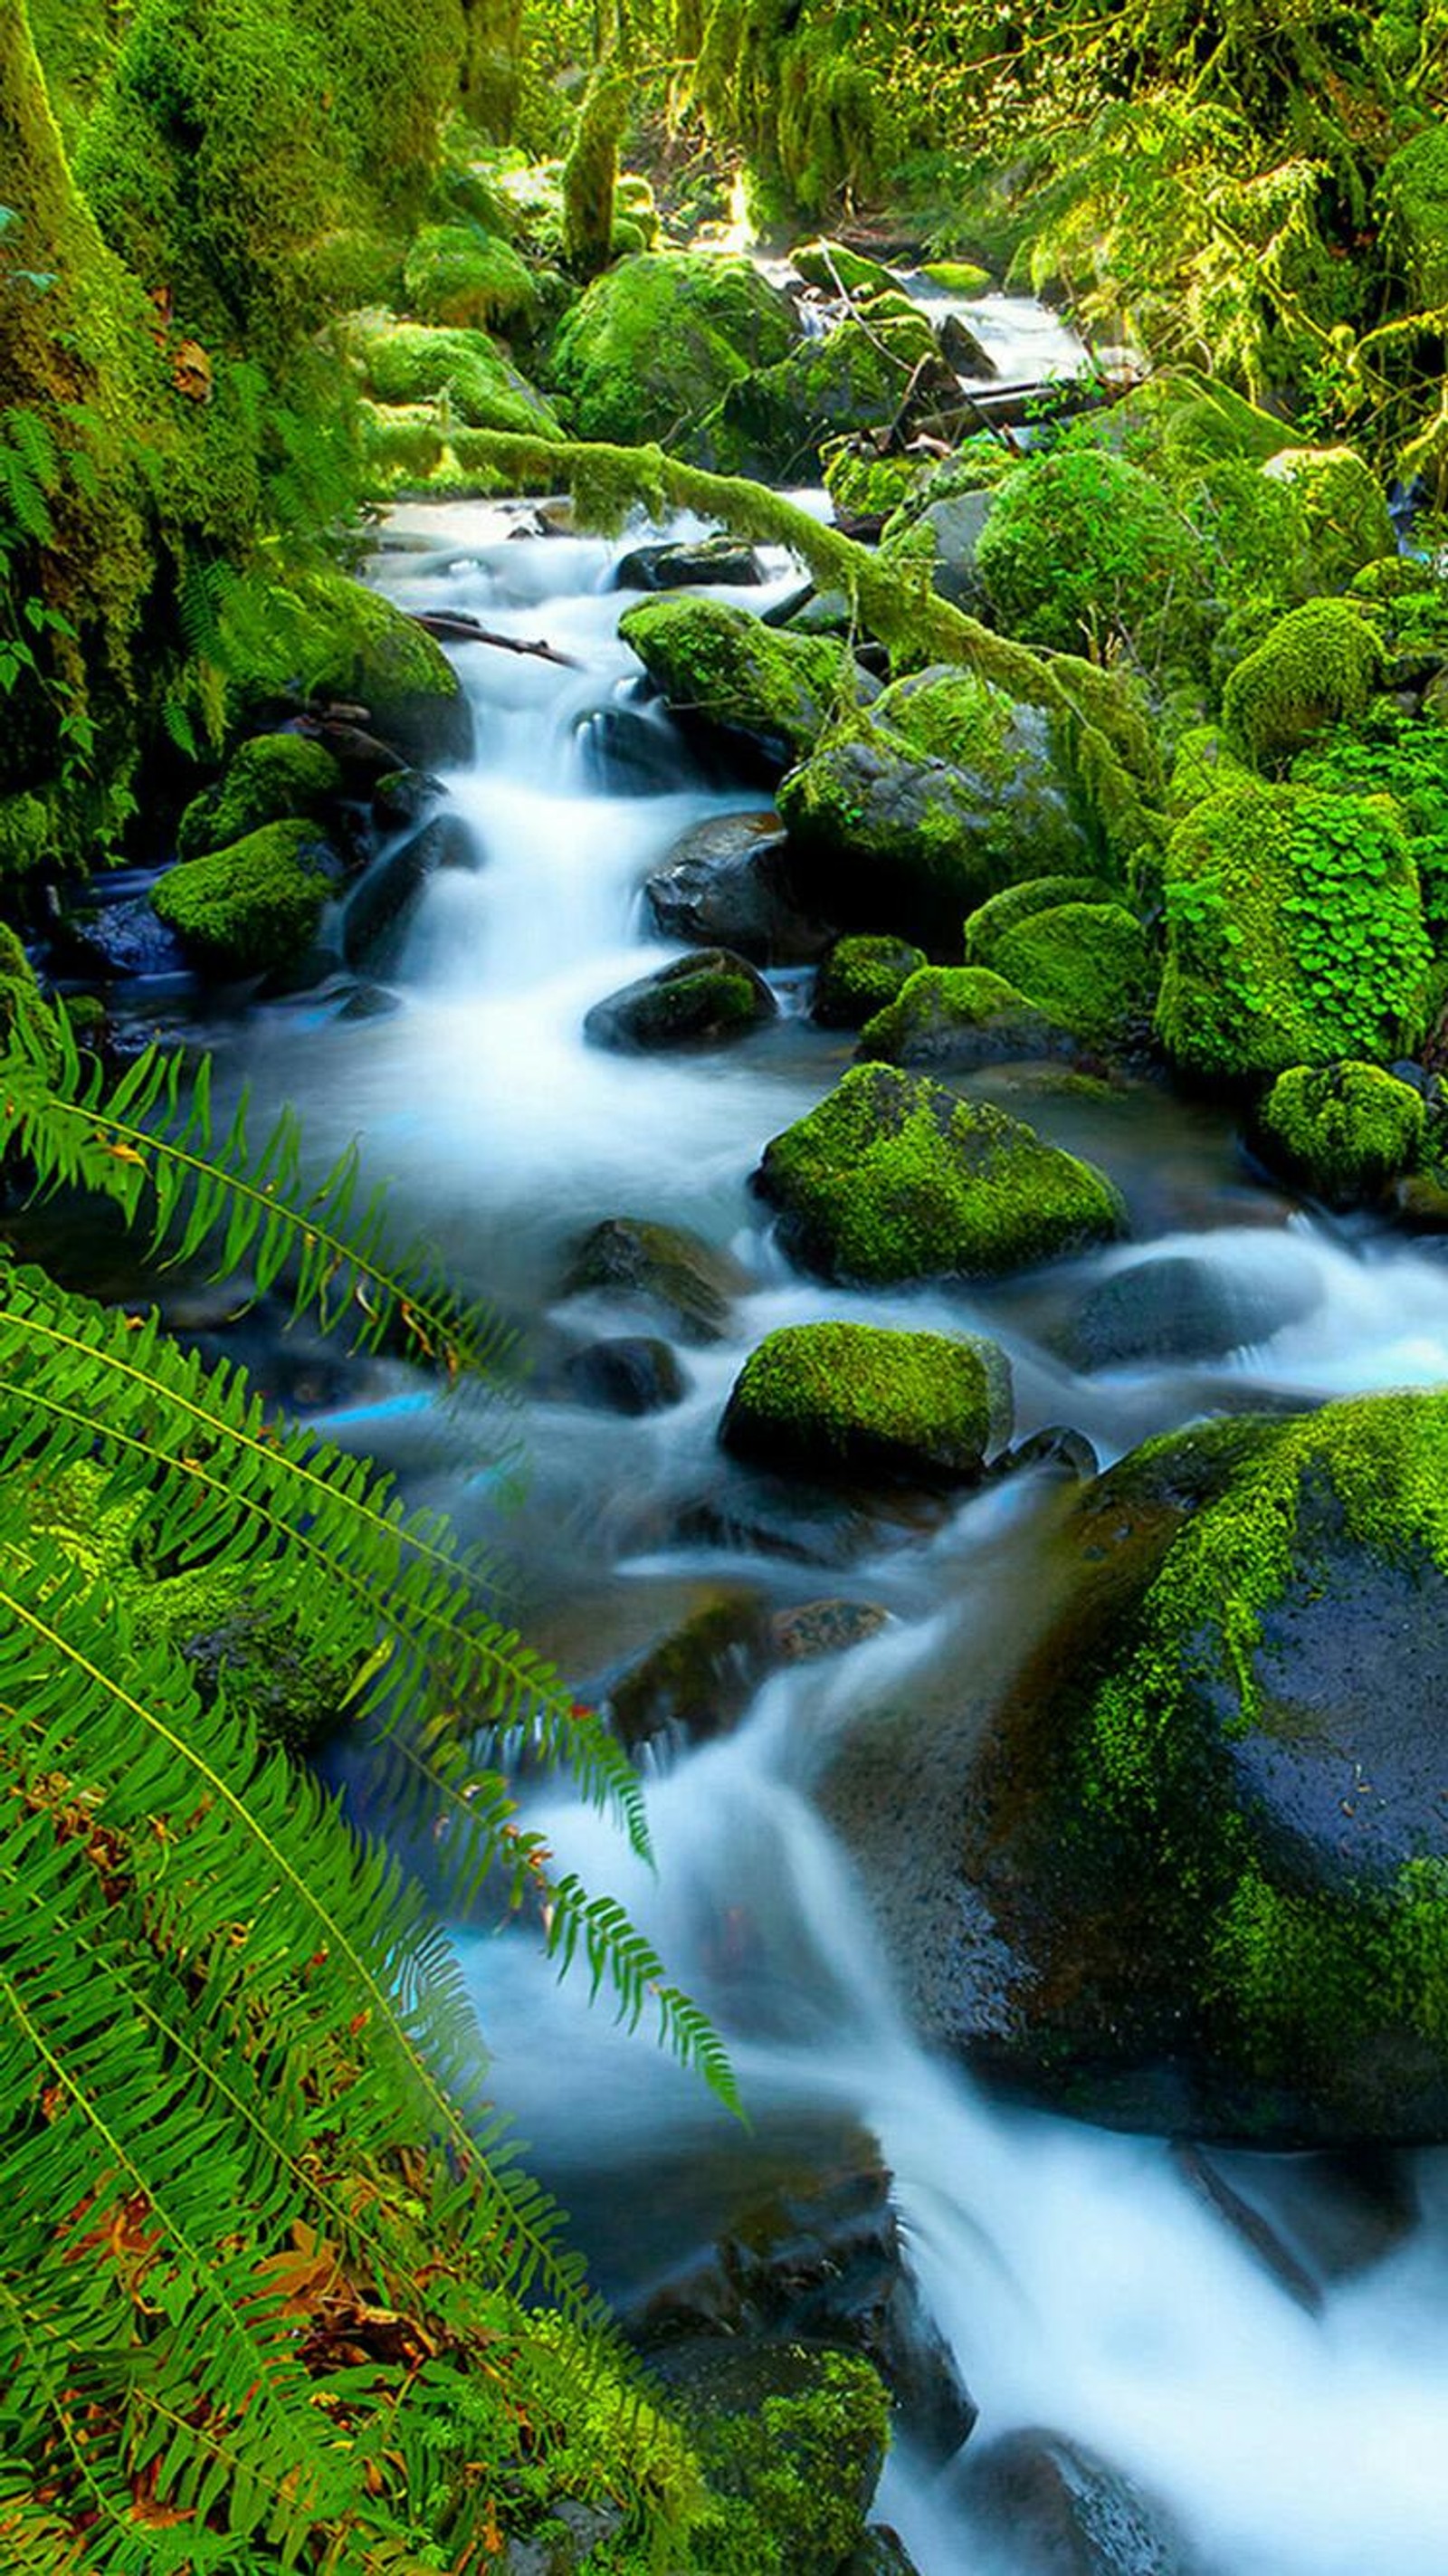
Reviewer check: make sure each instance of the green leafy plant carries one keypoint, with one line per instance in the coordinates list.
(275, 2293)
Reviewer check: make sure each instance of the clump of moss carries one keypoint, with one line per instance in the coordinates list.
(1343, 1131)
(791, 2441)
(326, 637)
(961, 1016)
(1202, 764)
(459, 275)
(252, 909)
(657, 340)
(861, 976)
(957, 276)
(272, 778)
(1088, 964)
(1412, 195)
(1319, 666)
(894, 1178)
(1016, 903)
(862, 483)
(830, 265)
(1081, 545)
(22, 1004)
(1295, 932)
(722, 667)
(459, 372)
(1344, 506)
(777, 420)
(30, 834)
(854, 1400)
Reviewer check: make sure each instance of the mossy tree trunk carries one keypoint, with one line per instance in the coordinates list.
(492, 66)
(590, 173)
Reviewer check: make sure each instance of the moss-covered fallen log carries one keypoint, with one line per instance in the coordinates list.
(1102, 722)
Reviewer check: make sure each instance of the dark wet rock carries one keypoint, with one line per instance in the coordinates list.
(703, 999)
(793, 2434)
(1058, 1448)
(117, 942)
(369, 1002)
(816, 1628)
(714, 560)
(1059, 2510)
(819, 2259)
(664, 1268)
(631, 1374)
(1175, 1308)
(698, 1681)
(363, 760)
(1312, 2220)
(860, 977)
(404, 796)
(1178, 1860)
(727, 884)
(857, 1401)
(941, 538)
(383, 903)
(882, 2552)
(634, 751)
(961, 348)
(829, 1526)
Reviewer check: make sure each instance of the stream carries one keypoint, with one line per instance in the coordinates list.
(1081, 2281)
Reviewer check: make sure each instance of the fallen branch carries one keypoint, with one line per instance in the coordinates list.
(450, 627)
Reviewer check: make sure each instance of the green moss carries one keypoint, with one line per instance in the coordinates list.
(22, 1004)
(960, 1016)
(1318, 667)
(459, 275)
(861, 976)
(656, 342)
(271, 778)
(1345, 507)
(1202, 765)
(893, 1178)
(865, 485)
(327, 637)
(958, 276)
(1081, 545)
(1088, 964)
(1016, 903)
(1343, 1131)
(830, 265)
(721, 664)
(778, 420)
(952, 716)
(252, 909)
(792, 2470)
(459, 372)
(855, 1400)
(30, 835)
(1412, 195)
(1294, 932)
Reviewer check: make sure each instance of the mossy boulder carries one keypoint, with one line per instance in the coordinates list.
(1295, 933)
(459, 274)
(1342, 1131)
(328, 638)
(657, 341)
(962, 1017)
(1345, 508)
(1201, 764)
(777, 422)
(835, 268)
(703, 999)
(252, 909)
(908, 816)
(1014, 904)
(1206, 1821)
(894, 1178)
(862, 976)
(1089, 965)
(1081, 544)
(728, 675)
(962, 277)
(455, 372)
(1319, 666)
(853, 1400)
(863, 484)
(940, 543)
(791, 2439)
(274, 778)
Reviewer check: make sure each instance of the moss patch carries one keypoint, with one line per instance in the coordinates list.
(961, 1016)
(458, 274)
(252, 909)
(893, 1178)
(1081, 545)
(271, 779)
(1343, 1131)
(1014, 904)
(861, 976)
(723, 667)
(458, 372)
(1088, 964)
(851, 1399)
(656, 342)
(1319, 666)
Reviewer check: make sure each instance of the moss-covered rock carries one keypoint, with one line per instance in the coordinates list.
(458, 274)
(958, 277)
(961, 1017)
(894, 1178)
(1088, 964)
(861, 976)
(703, 999)
(1202, 764)
(1412, 195)
(326, 637)
(723, 670)
(863, 484)
(252, 909)
(1295, 933)
(657, 341)
(458, 373)
(830, 265)
(1342, 1131)
(1017, 903)
(1319, 666)
(791, 2439)
(271, 779)
(687, 1285)
(777, 422)
(1208, 1820)
(1345, 508)
(1080, 545)
(912, 814)
(855, 1401)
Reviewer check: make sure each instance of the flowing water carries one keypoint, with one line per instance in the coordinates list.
(1080, 2280)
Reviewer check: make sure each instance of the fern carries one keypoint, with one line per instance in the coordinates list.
(265, 2299)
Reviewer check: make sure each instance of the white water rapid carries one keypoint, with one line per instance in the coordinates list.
(1081, 2280)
